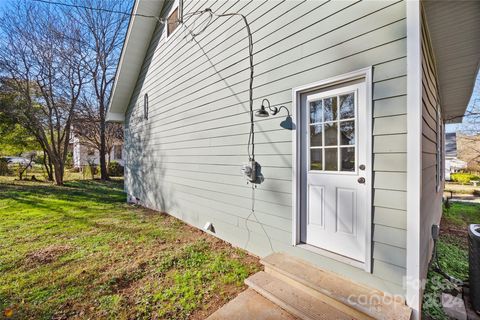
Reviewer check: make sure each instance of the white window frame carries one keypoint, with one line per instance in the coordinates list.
(177, 4)
(438, 158)
(115, 152)
(146, 106)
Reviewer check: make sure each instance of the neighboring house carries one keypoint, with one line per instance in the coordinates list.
(354, 183)
(85, 154)
(468, 150)
(452, 163)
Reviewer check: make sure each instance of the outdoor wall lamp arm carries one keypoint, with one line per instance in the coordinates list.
(263, 113)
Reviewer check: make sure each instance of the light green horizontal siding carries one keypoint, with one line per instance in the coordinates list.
(390, 236)
(390, 143)
(186, 158)
(391, 180)
(432, 188)
(392, 255)
(390, 106)
(390, 217)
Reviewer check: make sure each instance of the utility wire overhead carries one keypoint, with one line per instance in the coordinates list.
(100, 9)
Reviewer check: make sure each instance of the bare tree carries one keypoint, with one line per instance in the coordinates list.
(104, 30)
(43, 60)
(468, 131)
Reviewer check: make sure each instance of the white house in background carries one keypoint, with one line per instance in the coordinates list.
(352, 179)
(452, 163)
(83, 154)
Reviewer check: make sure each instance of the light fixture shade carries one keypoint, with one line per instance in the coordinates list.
(262, 113)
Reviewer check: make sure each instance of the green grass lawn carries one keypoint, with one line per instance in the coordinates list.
(453, 254)
(80, 251)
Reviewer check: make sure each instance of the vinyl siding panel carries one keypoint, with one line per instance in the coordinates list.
(392, 255)
(390, 217)
(390, 107)
(186, 158)
(432, 137)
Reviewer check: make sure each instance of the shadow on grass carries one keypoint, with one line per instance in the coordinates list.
(81, 204)
(76, 193)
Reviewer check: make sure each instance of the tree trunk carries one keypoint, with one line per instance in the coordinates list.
(47, 163)
(103, 145)
(20, 172)
(58, 176)
(50, 172)
(58, 170)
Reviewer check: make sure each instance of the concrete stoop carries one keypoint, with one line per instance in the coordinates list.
(291, 288)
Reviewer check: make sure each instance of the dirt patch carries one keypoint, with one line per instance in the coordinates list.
(216, 301)
(47, 255)
(453, 232)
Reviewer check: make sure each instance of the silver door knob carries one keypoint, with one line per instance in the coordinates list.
(361, 180)
(361, 167)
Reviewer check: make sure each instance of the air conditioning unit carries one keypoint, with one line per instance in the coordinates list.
(474, 265)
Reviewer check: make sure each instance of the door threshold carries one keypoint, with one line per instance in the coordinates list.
(332, 255)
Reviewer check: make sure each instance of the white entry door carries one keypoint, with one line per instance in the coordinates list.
(334, 166)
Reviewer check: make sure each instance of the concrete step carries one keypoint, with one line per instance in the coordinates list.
(293, 300)
(358, 301)
(249, 305)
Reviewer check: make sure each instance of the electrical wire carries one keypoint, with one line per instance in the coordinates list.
(101, 9)
(251, 136)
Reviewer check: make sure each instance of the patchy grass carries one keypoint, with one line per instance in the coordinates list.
(80, 252)
(462, 214)
(453, 255)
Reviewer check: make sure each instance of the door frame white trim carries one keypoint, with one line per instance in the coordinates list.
(365, 73)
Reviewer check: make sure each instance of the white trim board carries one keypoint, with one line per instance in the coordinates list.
(414, 155)
(365, 73)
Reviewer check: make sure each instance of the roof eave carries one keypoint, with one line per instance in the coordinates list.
(137, 40)
(453, 27)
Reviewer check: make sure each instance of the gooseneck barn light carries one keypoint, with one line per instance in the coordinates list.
(263, 113)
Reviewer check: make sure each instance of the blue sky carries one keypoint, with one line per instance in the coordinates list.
(3, 4)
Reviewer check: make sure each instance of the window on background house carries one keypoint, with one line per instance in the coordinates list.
(117, 152)
(145, 106)
(174, 17)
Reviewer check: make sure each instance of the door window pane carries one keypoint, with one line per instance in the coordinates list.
(332, 127)
(316, 135)
(347, 106)
(316, 111)
(347, 133)
(316, 159)
(331, 134)
(331, 159)
(330, 110)
(347, 159)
